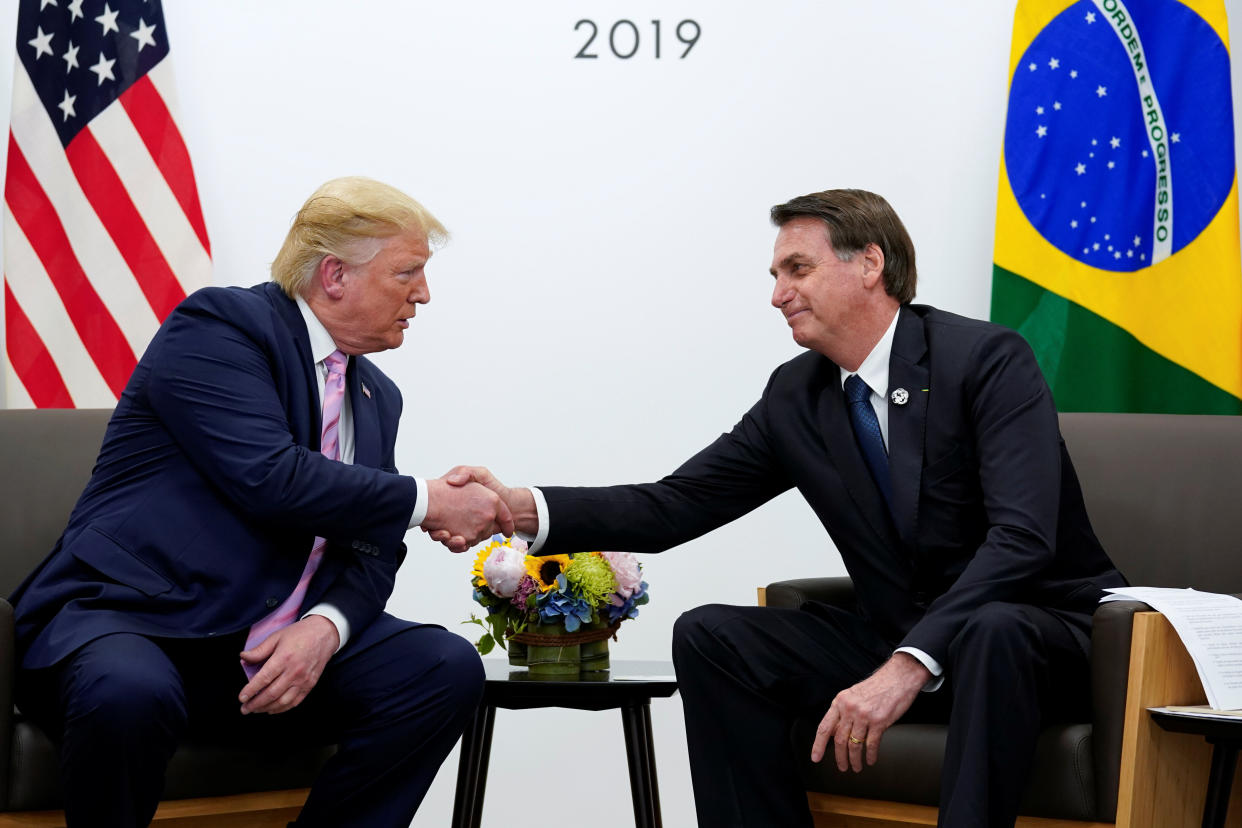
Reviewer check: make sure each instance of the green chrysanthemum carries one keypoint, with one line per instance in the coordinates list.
(591, 576)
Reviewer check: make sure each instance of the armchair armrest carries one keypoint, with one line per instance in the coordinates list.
(8, 671)
(1111, 635)
(794, 593)
(1111, 646)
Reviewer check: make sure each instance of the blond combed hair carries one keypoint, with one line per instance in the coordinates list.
(345, 218)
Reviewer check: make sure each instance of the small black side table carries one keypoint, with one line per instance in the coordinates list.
(1225, 736)
(513, 688)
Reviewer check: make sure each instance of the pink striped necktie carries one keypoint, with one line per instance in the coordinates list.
(330, 447)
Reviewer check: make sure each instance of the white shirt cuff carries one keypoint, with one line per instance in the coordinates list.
(336, 617)
(541, 514)
(420, 505)
(933, 666)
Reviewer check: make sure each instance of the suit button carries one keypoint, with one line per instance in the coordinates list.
(272, 603)
(356, 545)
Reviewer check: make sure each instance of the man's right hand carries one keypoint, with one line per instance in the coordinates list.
(459, 516)
(521, 502)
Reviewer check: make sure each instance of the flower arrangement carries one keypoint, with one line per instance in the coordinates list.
(553, 593)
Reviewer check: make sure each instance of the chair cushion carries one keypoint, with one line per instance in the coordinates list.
(1062, 785)
(195, 770)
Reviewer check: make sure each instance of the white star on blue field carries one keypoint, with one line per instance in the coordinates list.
(1077, 150)
(83, 56)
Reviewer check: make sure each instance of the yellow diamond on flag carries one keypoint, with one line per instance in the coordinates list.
(1117, 252)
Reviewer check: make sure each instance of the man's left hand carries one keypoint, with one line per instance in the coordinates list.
(859, 715)
(293, 659)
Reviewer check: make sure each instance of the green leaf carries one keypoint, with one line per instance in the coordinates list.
(498, 622)
(485, 644)
(475, 620)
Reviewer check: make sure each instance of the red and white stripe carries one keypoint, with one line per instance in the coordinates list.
(101, 241)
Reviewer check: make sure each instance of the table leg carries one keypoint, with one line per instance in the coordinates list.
(476, 748)
(640, 753)
(651, 767)
(1220, 781)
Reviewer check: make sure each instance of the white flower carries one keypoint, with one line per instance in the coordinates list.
(503, 570)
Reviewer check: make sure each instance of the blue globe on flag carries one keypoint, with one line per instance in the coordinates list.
(1106, 160)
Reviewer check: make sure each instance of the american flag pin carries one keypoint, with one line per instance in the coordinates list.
(366, 390)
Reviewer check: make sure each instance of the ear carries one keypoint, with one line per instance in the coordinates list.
(872, 266)
(331, 276)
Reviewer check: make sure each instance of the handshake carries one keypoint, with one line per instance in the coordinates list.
(469, 504)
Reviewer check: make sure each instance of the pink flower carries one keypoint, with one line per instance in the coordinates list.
(626, 570)
(504, 569)
(525, 589)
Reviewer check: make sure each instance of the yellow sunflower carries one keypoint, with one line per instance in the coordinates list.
(543, 570)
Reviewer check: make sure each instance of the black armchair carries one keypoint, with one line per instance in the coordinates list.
(1162, 492)
(47, 457)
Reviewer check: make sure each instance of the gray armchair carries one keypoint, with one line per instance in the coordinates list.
(47, 458)
(1164, 493)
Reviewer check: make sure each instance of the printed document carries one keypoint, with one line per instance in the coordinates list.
(1210, 626)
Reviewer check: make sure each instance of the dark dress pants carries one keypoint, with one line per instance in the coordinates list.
(395, 704)
(745, 673)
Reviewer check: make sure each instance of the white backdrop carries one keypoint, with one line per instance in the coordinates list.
(602, 310)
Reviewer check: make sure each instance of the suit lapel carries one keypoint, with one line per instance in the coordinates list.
(907, 370)
(288, 311)
(848, 460)
(366, 418)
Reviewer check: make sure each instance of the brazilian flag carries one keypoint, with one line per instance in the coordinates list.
(1117, 217)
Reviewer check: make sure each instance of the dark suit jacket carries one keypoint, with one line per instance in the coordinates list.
(986, 505)
(210, 488)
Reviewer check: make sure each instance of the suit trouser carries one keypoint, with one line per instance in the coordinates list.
(745, 673)
(395, 704)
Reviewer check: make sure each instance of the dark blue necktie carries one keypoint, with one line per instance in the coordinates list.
(867, 433)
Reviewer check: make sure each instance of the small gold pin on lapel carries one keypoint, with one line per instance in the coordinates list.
(900, 397)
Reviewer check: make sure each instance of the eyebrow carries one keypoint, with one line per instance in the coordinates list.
(789, 260)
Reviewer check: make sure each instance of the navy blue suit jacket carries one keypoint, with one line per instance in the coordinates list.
(986, 504)
(210, 488)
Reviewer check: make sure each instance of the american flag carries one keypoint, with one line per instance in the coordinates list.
(103, 233)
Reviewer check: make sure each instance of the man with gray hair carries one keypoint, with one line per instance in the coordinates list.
(236, 544)
(928, 446)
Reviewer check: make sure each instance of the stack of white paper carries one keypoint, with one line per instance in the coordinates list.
(1210, 625)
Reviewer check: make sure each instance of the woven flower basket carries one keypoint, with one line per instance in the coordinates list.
(552, 654)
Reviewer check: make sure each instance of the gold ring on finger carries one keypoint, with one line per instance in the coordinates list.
(854, 740)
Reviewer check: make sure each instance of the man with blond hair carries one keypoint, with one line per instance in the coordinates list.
(236, 544)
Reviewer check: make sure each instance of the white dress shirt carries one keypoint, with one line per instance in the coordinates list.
(322, 345)
(874, 372)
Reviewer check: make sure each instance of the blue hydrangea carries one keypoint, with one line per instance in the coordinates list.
(558, 604)
(489, 602)
(630, 608)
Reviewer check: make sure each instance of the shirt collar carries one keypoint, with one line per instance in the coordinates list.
(874, 369)
(321, 343)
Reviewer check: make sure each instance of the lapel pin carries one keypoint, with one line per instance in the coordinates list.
(366, 391)
(900, 396)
